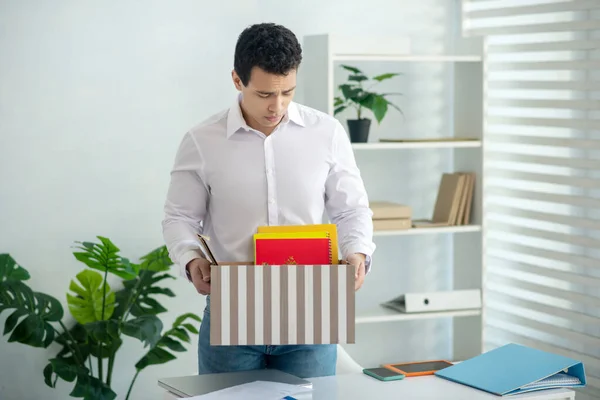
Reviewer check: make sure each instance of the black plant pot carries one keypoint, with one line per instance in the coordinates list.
(359, 130)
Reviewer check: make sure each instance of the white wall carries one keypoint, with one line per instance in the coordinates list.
(94, 98)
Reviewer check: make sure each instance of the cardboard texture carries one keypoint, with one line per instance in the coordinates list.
(282, 304)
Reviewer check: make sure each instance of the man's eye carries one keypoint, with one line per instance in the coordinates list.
(263, 96)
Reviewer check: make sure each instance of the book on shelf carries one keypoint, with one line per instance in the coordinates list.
(388, 215)
(453, 202)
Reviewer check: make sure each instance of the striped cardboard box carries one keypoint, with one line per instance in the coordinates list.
(282, 304)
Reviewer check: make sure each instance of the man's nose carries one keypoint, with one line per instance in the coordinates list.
(278, 105)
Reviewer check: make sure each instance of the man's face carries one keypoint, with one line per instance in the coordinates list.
(266, 98)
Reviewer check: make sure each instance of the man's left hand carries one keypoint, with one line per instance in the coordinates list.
(358, 260)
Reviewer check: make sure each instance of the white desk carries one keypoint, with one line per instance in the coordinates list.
(360, 387)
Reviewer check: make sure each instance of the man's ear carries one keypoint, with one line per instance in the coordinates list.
(237, 82)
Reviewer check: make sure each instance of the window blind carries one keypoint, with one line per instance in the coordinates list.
(542, 175)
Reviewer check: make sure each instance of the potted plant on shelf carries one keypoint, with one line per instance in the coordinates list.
(356, 95)
(102, 317)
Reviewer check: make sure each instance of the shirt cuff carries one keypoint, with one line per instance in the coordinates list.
(185, 259)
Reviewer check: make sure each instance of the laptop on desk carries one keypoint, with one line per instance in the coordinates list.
(196, 385)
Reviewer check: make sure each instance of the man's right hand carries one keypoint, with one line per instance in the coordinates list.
(199, 269)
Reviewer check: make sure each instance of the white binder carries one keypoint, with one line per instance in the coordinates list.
(436, 301)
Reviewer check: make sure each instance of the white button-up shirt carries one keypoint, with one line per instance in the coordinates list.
(228, 179)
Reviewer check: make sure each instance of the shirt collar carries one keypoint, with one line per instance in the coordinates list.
(235, 119)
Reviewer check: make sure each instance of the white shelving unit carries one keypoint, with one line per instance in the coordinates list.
(450, 144)
(379, 315)
(430, 231)
(321, 53)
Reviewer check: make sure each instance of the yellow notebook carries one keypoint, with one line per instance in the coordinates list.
(330, 229)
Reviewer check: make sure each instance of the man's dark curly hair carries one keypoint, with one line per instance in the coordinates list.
(271, 47)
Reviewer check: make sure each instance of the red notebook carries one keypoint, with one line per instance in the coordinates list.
(313, 251)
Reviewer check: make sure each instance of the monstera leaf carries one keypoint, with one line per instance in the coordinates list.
(139, 294)
(171, 340)
(10, 271)
(104, 256)
(91, 296)
(146, 328)
(33, 312)
(87, 386)
(157, 260)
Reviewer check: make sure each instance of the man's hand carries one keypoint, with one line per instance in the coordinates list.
(358, 260)
(199, 269)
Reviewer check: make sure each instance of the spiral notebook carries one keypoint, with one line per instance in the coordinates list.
(330, 230)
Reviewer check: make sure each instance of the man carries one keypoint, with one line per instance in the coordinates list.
(264, 161)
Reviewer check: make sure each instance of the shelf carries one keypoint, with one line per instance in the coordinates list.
(382, 314)
(432, 230)
(406, 57)
(441, 144)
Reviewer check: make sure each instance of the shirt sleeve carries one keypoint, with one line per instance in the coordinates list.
(185, 206)
(346, 200)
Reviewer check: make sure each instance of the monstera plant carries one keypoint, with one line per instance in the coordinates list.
(102, 316)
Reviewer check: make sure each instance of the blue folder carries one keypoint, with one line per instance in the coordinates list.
(514, 369)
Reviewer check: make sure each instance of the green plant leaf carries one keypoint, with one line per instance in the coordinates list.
(157, 355)
(379, 107)
(86, 386)
(350, 92)
(191, 328)
(181, 334)
(171, 344)
(357, 78)
(91, 388)
(395, 106)
(48, 375)
(157, 260)
(338, 101)
(352, 69)
(339, 110)
(366, 100)
(86, 304)
(66, 369)
(104, 256)
(104, 337)
(77, 337)
(183, 317)
(383, 77)
(146, 328)
(30, 322)
(9, 270)
(153, 357)
(139, 294)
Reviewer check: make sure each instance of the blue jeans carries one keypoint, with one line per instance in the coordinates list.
(303, 361)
